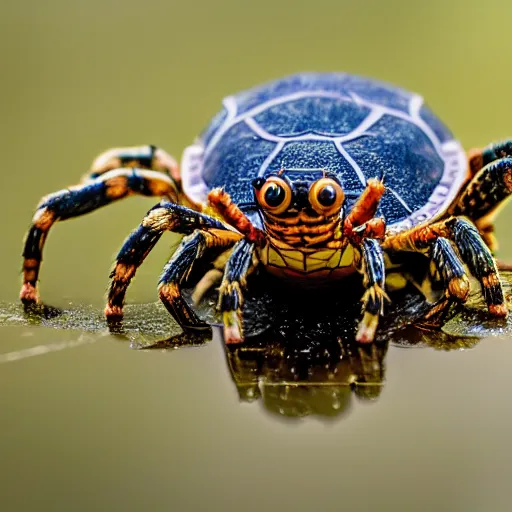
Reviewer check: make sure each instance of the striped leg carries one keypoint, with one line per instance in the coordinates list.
(486, 191)
(205, 232)
(363, 230)
(145, 157)
(473, 252)
(221, 202)
(490, 186)
(371, 265)
(481, 264)
(231, 290)
(479, 158)
(447, 268)
(363, 212)
(104, 184)
(178, 269)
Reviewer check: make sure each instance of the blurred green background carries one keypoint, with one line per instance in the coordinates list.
(105, 428)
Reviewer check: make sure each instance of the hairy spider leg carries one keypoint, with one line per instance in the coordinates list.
(480, 157)
(363, 231)
(231, 289)
(472, 249)
(371, 265)
(484, 194)
(205, 232)
(222, 204)
(178, 269)
(153, 173)
(364, 209)
(447, 269)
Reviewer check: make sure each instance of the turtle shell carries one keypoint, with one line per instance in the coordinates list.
(354, 127)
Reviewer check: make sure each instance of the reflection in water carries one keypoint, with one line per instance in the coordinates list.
(300, 357)
(297, 381)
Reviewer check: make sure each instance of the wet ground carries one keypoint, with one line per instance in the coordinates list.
(145, 419)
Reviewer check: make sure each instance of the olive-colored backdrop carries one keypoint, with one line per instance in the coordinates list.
(102, 427)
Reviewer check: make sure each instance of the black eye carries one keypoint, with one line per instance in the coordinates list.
(274, 195)
(327, 195)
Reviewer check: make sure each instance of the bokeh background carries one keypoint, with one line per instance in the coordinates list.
(102, 427)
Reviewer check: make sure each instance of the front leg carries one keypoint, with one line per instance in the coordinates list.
(366, 206)
(231, 290)
(178, 269)
(165, 216)
(363, 230)
(370, 263)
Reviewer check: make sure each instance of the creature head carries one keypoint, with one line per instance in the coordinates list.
(300, 208)
(287, 194)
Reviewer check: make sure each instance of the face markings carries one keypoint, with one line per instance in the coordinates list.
(302, 223)
(316, 266)
(297, 211)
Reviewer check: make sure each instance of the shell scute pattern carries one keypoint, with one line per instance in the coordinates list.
(310, 115)
(353, 127)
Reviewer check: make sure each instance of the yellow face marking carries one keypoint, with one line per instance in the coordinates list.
(294, 257)
(312, 265)
(321, 264)
(348, 257)
(274, 258)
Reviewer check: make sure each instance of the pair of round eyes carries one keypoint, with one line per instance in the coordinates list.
(275, 195)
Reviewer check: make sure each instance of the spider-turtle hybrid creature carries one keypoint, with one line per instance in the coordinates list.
(311, 177)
